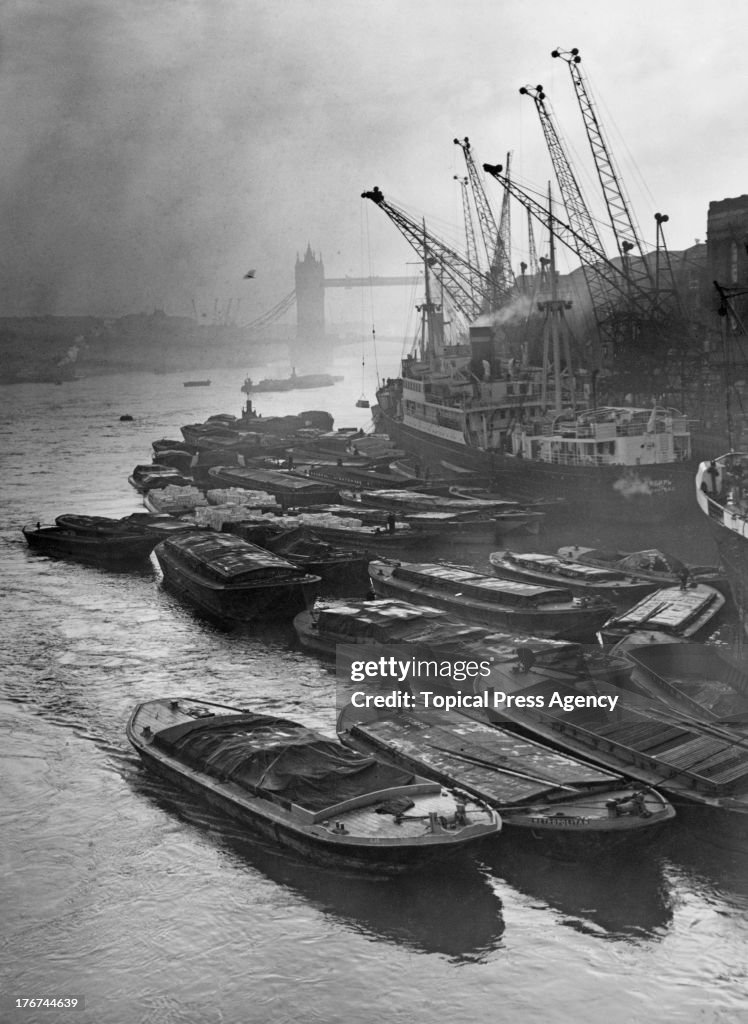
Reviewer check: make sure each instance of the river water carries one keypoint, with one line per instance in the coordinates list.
(123, 892)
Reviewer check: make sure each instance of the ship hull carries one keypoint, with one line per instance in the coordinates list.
(617, 494)
(733, 556)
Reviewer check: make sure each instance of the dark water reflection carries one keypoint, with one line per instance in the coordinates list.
(452, 910)
(117, 887)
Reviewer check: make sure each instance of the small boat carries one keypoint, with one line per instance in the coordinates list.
(304, 791)
(292, 383)
(582, 580)
(550, 798)
(650, 565)
(500, 604)
(197, 383)
(232, 580)
(116, 547)
(686, 612)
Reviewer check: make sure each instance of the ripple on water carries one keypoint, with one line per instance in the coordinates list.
(121, 888)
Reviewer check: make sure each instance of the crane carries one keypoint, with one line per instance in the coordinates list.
(633, 306)
(471, 247)
(498, 261)
(609, 279)
(620, 215)
(580, 221)
(505, 221)
(455, 274)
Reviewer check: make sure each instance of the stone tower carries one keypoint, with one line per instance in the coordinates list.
(311, 349)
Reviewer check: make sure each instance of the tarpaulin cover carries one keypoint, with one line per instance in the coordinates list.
(275, 757)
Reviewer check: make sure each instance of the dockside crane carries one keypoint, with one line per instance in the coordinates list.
(505, 221)
(609, 280)
(580, 221)
(470, 244)
(455, 274)
(620, 214)
(622, 316)
(497, 251)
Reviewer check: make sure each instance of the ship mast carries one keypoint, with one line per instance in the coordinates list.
(555, 327)
(432, 334)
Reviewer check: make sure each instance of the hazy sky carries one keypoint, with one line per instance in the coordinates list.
(155, 150)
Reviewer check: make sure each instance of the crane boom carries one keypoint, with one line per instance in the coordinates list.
(499, 263)
(454, 272)
(611, 280)
(505, 222)
(533, 252)
(471, 247)
(620, 214)
(582, 226)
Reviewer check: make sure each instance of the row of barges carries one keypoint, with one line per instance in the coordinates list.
(556, 739)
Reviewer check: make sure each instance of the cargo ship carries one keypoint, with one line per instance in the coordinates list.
(535, 432)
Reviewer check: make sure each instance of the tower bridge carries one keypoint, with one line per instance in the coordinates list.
(310, 342)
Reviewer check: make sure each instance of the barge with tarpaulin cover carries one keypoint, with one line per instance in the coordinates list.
(500, 604)
(231, 579)
(332, 625)
(304, 791)
(95, 540)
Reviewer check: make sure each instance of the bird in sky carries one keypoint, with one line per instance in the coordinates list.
(250, 273)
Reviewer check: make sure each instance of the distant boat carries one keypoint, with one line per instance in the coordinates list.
(303, 790)
(197, 383)
(292, 383)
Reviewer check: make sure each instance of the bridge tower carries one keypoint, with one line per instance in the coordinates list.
(310, 342)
